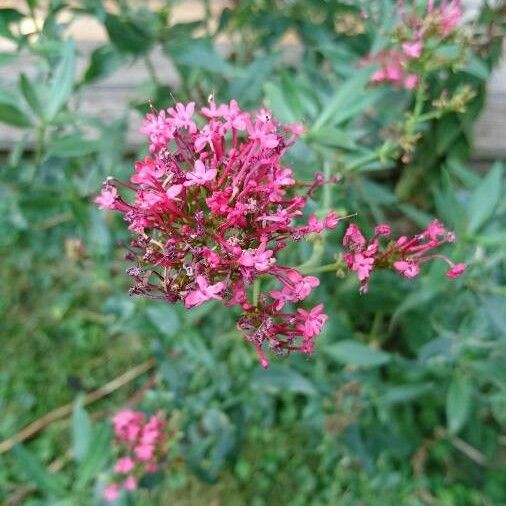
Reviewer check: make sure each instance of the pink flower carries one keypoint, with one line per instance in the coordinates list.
(408, 269)
(111, 492)
(107, 198)
(412, 49)
(456, 271)
(182, 116)
(173, 191)
(141, 449)
(127, 424)
(353, 237)
(435, 230)
(362, 265)
(311, 322)
(314, 225)
(160, 130)
(130, 484)
(200, 174)
(263, 133)
(410, 81)
(449, 15)
(235, 119)
(331, 220)
(260, 258)
(147, 172)
(144, 452)
(204, 292)
(124, 465)
(383, 229)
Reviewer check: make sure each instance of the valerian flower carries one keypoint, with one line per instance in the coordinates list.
(211, 208)
(141, 444)
(404, 255)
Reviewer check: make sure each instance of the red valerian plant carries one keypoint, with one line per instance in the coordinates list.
(141, 446)
(417, 36)
(211, 209)
(405, 255)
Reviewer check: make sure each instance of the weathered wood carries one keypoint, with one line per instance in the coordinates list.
(109, 99)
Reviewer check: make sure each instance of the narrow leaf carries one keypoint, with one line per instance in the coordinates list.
(485, 198)
(62, 82)
(37, 473)
(458, 403)
(348, 91)
(356, 353)
(11, 115)
(81, 430)
(30, 94)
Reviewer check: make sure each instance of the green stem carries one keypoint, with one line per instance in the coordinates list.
(256, 291)
(322, 268)
(151, 70)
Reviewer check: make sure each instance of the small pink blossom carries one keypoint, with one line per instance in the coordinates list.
(353, 237)
(311, 322)
(130, 484)
(111, 492)
(382, 229)
(200, 175)
(260, 258)
(331, 220)
(362, 265)
(408, 269)
(124, 465)
(411, 81)
(173, 191)
(182, 116)
(107, 198)
(412, 49)
(456, 271)
(204, 292)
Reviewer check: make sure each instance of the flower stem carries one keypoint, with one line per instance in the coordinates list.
(322, 268)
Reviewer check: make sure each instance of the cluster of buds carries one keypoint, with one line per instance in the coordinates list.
(404, 255)
(401, 65)
(211, 208)
(141, 446)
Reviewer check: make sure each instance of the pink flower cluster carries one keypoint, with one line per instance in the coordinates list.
(141, 445)
(405, 255)
(396, 63)
(211, 208)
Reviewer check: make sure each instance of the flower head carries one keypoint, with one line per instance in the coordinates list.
(210, 209)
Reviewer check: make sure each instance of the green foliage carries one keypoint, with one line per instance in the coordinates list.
(404, 399)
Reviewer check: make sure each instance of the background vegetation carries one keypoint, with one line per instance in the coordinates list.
(404, 401)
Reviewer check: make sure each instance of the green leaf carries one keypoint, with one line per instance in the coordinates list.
(356, 353)
(164, 318)
(30, 94)
(103, 62)
(96, 456)
(62, 81)
(348, 91)
(14, 116)
(81, 430)
(277, 102)
(279, 378)
(333, 137)
(458, 403)
(291, 94)
(127, 35)
(405, 393)
(485, 198)
(73, 146)
(37, 473)
(477, 67)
